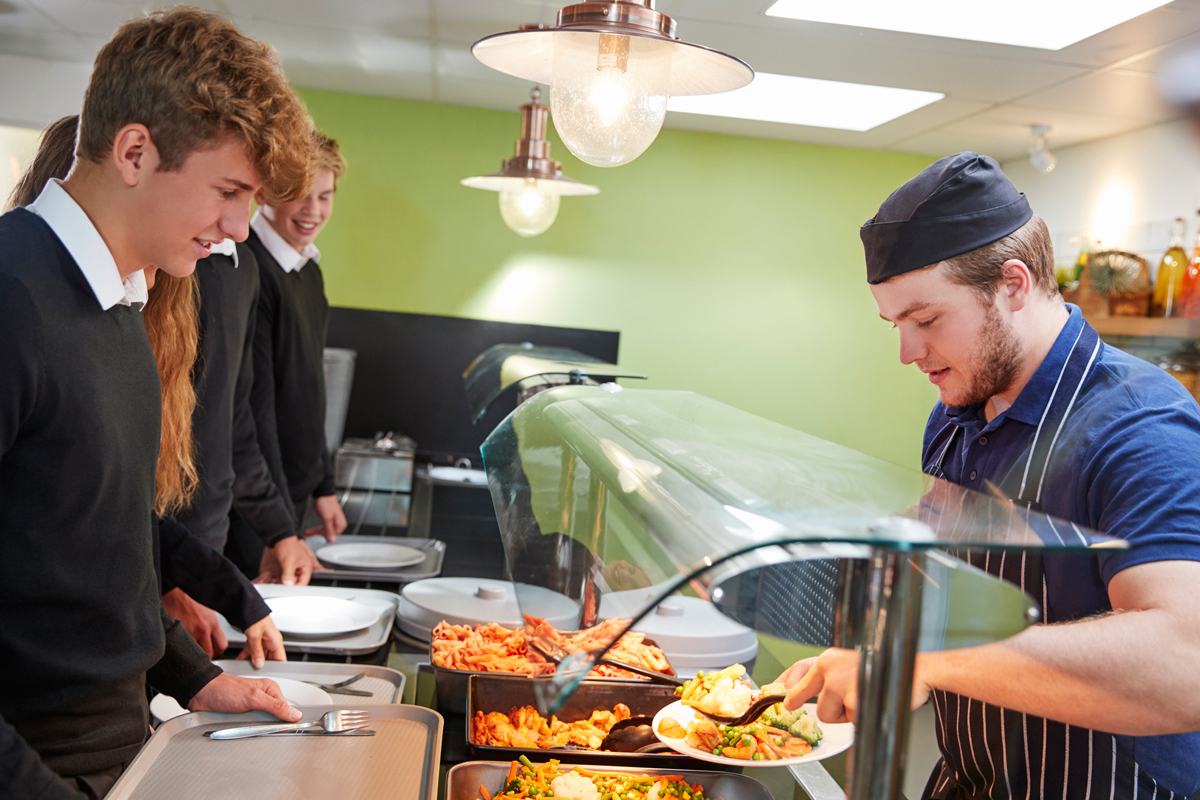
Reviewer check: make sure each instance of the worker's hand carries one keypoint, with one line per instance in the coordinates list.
(832, 677)
(263, 640)
(237, 695)
(333, 521)
(199, 621)
(288, 561)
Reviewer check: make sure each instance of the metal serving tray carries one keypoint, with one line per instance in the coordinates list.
(400, 762)
(385, 685)
(488, 693)
(463, 781)
(452, 683)
(357, 644)
(431, 567)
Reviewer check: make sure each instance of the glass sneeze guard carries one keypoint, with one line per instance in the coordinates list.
(632, 495)
(504, 365)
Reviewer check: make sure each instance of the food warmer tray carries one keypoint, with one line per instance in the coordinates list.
(463, 780)
(488, 693)
(357, 644)
(452, 683)
(400, 762)
(385, 685)
(431, 567)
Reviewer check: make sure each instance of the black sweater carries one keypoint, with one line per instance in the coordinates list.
(207, 577)
(81, 622)
(233, 470)
(289, 374)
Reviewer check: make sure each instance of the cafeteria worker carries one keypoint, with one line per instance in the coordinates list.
(1103, 699)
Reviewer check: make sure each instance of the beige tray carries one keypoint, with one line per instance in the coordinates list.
(399, 763)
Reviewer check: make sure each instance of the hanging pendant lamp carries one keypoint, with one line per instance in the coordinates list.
(530, 183)
(611, 67)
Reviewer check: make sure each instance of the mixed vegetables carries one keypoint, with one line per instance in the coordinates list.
(777, 734)
(725, 693)
(548, 782)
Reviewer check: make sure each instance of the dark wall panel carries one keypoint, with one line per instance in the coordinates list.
(408, 375)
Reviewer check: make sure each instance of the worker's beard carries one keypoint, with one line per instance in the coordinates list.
(997, 364)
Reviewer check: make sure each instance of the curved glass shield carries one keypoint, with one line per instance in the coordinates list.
(505, 365)
(627, 497)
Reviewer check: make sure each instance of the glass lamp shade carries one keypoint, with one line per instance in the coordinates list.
(528, 211)
(609, 94)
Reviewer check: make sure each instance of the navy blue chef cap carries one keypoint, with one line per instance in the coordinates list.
(954, 206)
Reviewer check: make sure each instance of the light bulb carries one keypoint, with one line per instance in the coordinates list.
(528, 212)
(608, 94)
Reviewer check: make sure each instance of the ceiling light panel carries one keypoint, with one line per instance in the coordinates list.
(1045, 24)
(807, 101)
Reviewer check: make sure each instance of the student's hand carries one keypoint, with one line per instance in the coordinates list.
(199, 621)
(236, 695)
(263, 639)
(289, 561)
(333, 521)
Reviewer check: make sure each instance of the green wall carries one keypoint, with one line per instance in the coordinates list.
(730, 265)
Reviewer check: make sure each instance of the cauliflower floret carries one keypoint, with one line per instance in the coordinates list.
(576, 787)
(727, 698)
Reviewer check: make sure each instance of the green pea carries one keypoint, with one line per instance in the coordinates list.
(756, 757)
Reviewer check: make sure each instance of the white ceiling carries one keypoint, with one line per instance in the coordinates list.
(419, 49)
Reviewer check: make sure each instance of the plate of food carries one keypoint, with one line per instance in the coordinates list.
(778, 738)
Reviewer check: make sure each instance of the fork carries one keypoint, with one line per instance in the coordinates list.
(340, 686)
(332, 721)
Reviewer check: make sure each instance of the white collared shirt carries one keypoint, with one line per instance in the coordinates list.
(226, 247)
(77, 233)
(277, 246)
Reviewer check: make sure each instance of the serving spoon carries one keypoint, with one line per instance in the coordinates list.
(756, 710)
(557, 654)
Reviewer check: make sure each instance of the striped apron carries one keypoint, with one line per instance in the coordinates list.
(991, 752)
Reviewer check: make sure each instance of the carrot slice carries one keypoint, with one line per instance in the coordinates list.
(483, 791)
(512, 771)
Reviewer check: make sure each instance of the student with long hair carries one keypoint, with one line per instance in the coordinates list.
(184, 120)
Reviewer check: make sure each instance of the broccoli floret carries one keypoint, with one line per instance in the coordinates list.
(807, 729)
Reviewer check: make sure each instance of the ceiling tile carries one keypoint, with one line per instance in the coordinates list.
(56, 45)
(963, 77)
(467, 21)
(19, 15)
(1118, 94)
(339, 78)
(35, 92)
(101, 19)
(399, 18)
(944, 143)
(372, 53)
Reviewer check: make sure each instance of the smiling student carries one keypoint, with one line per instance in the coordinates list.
(183, 122)
(289, 373)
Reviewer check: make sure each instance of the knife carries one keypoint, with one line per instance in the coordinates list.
(312, 732)
(336, 690)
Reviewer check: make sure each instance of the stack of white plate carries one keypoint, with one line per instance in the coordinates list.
(319, 617)
(477, 601)
(369, 555)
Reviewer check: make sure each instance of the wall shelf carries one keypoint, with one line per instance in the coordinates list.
(1147, 326)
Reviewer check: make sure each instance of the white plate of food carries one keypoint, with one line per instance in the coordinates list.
(369, 555)
(778, 738)
(315, 616)
(296, 692)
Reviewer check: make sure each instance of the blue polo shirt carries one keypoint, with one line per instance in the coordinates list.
(1127, 464)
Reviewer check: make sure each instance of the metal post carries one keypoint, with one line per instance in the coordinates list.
(888, 655)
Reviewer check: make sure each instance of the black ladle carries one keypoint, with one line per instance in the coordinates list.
(756, 710)
(556, 654)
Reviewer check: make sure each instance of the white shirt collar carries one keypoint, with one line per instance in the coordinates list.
(227, 247)
(277, 246)
(77, 233)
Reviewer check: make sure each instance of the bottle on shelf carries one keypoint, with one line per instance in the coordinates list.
(1085, 250)
(1189, 295)
(1169, 284)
